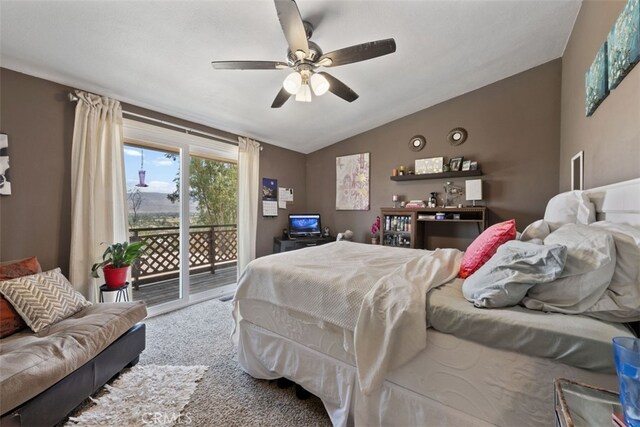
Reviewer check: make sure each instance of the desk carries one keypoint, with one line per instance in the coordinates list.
(284, 245)
(405, 227)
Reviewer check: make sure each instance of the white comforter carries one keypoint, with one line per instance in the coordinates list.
(378, 293)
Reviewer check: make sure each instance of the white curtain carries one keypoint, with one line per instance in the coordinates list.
(98, 192)
(248, 187)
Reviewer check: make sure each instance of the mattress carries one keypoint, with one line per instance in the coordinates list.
(575, 340)
(452, 382)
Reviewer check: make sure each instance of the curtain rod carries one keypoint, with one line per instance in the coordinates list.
(74, 98)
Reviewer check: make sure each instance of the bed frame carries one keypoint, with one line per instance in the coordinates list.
(618, 202)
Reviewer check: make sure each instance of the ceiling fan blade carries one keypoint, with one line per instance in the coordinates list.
(357, 53)
(292, 26)
(249, 65)
(340, 89)
(282, 97)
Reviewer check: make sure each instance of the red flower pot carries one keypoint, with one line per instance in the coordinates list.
(115, 277)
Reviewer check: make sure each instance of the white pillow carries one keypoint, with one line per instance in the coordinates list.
(572, 207)
(591, 260)
(536, 230)
(621, 301)
(516, 266)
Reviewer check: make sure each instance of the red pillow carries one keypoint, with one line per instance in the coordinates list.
(485, 246)
(10, 320)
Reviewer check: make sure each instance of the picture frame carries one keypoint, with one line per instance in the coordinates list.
(577, 173)
(352, 182)
(427, 166)
(466, 165)
(455, 163)
(473, 166)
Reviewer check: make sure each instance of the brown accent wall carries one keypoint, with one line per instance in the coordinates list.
(610, 138)
(35, 219)
(514, 132)
(288, 167)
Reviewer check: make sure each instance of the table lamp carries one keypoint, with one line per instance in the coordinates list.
(473, 190)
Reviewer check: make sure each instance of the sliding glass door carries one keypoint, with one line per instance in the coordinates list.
(182, 194)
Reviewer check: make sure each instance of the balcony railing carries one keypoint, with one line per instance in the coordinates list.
(209, 246)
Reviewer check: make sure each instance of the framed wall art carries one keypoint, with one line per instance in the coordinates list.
(352, 182)
(623, 51)
(595, 81)
(5, 179)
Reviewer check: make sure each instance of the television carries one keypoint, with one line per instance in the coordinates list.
(304, 225)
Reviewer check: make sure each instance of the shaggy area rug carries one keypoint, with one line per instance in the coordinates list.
(143, 395)
(226, 395)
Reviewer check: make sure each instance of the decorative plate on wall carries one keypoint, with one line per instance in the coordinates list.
(457, 136)
(417, 143)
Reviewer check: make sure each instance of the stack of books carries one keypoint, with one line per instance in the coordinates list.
(416, 204)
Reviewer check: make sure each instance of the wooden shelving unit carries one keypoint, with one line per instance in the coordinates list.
(442, 175)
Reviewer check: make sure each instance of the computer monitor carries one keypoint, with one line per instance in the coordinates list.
(304, 225)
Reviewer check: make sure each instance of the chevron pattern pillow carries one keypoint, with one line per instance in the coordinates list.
(43, 299)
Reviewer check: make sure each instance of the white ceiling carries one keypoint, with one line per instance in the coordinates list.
(157, 55)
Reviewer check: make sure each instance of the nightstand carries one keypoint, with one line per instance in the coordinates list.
(583, 405)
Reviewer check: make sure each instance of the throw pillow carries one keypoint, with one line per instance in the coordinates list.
(43, 299)
(591, 259)
(505, 279)
(10, 320)
(537, 230)
(485, 246)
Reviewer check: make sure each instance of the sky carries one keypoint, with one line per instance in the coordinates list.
(160, 170)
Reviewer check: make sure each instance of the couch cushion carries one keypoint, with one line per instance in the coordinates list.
(31, 363)
(10, 320)
(43, 299)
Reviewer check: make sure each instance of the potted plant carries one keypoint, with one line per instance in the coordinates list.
(115, 263)
(375, 228)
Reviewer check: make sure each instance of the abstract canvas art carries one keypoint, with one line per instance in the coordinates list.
(352, 182)
(624, 43)
(5, 179)
(595, 81)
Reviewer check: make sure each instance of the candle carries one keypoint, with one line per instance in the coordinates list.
(394, 198)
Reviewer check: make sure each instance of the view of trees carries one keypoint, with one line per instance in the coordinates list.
(214, 187)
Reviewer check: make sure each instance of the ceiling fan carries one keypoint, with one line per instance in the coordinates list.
(304, 57)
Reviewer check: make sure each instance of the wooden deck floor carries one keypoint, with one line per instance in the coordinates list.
(168, 290)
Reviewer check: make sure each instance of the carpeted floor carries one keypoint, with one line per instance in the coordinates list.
(226, 396)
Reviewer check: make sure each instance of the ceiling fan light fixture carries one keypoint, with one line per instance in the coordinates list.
(292, 83)
(304, 94)
(319, 84)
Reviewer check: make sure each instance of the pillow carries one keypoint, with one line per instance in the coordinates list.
(621, 300)
(505, 279)
(43, 299)
(536, 230)
(24, 267)
(572, 207)
(10, 320)
(485, 245)
(591, 259)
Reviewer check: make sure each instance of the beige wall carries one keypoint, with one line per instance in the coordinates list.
(35, 219)
(610, 138)
(514, 131)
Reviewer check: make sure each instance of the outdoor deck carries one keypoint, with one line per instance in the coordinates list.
(167, 290)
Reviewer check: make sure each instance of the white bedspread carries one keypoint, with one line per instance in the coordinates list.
(379, 293)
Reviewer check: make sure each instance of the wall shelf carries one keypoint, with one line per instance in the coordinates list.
(441, 175)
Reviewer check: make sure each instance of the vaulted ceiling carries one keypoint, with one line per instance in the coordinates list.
(157, 54)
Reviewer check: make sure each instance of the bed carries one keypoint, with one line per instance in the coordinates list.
(369, 344)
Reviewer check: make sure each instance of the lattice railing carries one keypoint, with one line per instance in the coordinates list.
(209, 245)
